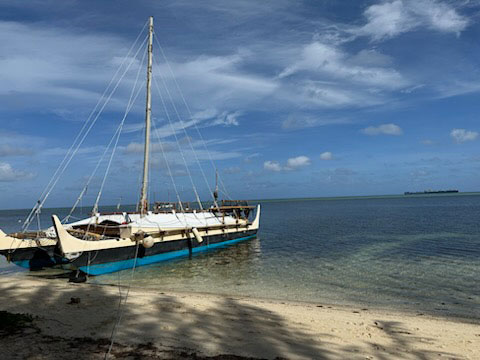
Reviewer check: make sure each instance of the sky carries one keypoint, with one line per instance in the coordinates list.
(284, 98)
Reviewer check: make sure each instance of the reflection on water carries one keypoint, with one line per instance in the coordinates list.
(418, 254)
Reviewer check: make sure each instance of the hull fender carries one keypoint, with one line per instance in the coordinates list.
(197, 235)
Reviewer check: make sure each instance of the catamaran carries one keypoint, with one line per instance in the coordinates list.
(109, 242)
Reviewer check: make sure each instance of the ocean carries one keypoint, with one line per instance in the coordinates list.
(418, 254)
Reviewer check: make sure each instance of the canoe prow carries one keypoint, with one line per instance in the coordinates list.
(68, 243)
(256, 223)
(71, 245)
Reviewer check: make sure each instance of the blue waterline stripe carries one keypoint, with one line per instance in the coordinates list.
(100, 269)
(23, 263)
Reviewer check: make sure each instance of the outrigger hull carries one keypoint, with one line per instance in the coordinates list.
(30, 254)
(34, 258)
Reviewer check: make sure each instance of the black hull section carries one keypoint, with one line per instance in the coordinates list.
(110, 260)
(35, 258)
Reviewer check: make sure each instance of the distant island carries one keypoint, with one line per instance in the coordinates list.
(430, 192)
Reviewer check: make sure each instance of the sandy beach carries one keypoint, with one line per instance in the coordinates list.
(199, 326)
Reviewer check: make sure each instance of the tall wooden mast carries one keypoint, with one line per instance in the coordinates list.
(143, 199)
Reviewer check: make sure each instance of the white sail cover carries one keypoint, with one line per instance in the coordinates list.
(181, 220)
(163, 221)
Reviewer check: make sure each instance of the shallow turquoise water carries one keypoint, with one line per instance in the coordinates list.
(412, 253)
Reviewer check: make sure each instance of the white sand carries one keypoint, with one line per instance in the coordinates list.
(212, 325)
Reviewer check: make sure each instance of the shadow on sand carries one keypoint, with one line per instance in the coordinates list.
(76, 321)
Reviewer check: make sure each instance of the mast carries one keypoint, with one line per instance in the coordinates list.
(215, 193)
(143, 198)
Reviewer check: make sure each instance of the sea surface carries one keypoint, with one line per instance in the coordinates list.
(418, 253)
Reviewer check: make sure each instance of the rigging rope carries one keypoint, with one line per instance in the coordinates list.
(187, 137)
(168, 165)
(178, 143)
(121, 307)
(71, 154)
(131, 101)
(191, 116)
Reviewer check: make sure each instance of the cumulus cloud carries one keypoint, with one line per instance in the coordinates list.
(272, 166)
(294, 163)
(391, 18)
(327, 155)
(8, 173)
(297, 162)
(462, 135)
(384, 129)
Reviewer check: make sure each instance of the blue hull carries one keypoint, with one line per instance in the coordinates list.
(109, 267)
(23, 263)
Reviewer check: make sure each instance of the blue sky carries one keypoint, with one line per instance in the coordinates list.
(293, 98)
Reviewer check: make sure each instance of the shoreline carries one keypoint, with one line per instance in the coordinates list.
(378, 309)
(212, 325)
(439, 310)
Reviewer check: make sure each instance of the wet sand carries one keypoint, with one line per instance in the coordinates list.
(77, 320)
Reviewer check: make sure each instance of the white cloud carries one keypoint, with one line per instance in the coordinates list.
(58, 69)
(327, 155)
(272, 166)
(176, 125)
(8, 173)
(384, 129)
(54, 68)
(294, 163)
(462, 135)
(170, 129)
(427, 142)
(371, 57)
(297, 162)
(217, 81)
(227, 119)
(391, 18)
(331, 61)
